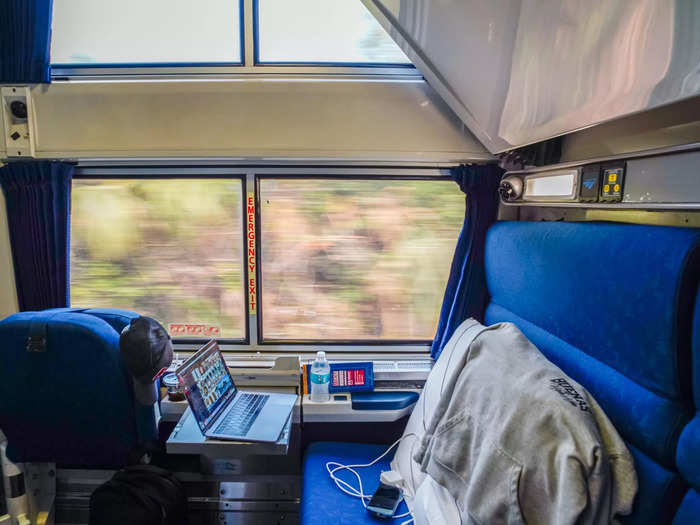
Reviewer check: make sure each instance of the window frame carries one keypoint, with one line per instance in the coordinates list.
(179, 174)
(289, 63)
(252, 348)
(248, 67)
(407, 343)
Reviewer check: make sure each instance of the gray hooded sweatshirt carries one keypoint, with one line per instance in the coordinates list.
(512, 439)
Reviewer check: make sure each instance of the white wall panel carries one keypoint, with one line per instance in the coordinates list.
(671, 125)
(251, 118)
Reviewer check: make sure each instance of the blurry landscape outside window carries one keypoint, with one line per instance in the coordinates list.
(356, 259)
(323, 31)
(170, 249)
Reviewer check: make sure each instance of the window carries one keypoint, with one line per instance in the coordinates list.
(357, 258)
(175, 37)
(322, 32)
(352, 260)
(152, 32)
(167, 248)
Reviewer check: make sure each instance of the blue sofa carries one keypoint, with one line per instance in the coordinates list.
(616, 307)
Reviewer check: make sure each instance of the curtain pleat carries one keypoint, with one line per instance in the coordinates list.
(466, 294)
(25, 40)
(37, 196)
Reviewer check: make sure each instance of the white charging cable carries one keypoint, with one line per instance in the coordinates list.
(333, 466)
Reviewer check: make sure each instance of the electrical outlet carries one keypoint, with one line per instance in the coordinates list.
(17, 116)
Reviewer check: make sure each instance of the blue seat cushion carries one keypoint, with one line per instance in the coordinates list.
(659, 493)
(688, 458)
(77, 391)
(114, 317)
(322, 502)
(614, 291)
(689, 453)
(145, 419)
(689, 512)
(696, 352)
(660, 488)
(610, 304)
(647, 420)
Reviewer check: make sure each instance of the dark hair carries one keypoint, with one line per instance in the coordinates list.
(145, 347)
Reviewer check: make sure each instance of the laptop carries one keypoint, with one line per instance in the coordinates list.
(224, 412)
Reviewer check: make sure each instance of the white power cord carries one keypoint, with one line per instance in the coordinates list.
(333, 466)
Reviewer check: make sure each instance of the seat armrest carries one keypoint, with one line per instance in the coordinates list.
(383, 400)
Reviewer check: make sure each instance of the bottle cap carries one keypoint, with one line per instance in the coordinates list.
(321, 355)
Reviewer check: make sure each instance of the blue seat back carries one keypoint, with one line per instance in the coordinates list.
(114, 317)
(71, 402)
(688, 457)
(611, 305)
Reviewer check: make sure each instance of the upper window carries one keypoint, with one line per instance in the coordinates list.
(322, 32)
(167, 248)
(355, 260)
(152, 32)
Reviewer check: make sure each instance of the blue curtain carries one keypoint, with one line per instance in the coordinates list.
(25, 38)
(466, 293)
(37, 197)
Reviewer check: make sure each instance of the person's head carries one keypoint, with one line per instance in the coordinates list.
(146, 349)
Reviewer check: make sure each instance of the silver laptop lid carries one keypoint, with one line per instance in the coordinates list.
(207, 383)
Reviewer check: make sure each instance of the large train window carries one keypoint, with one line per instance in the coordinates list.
(151, 33)
(179, 38)
(169, 248)
(353, 260)
(331, 32)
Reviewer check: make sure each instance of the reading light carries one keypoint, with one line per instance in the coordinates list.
(511, 188)
(560, 185)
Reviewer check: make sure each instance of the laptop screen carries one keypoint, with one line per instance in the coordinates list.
(207, 383)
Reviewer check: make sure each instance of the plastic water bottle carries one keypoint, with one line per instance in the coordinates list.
(320, 379)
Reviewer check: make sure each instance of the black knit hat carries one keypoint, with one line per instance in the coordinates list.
(146, 349)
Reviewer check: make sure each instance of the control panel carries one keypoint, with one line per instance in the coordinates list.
(600, 182)
(613, 179)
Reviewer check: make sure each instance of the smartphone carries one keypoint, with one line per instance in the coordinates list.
(385, 501)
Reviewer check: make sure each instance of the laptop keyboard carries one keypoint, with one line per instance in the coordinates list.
(242, 415)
